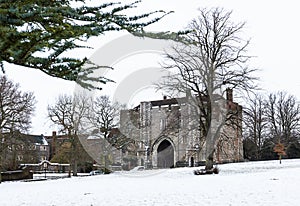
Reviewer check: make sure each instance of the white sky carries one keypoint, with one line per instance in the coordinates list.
(271, 25)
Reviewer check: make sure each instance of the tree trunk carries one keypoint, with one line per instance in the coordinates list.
(279, 159)
(69, 173)
(210, 149)
(75, 167)
(209, 164)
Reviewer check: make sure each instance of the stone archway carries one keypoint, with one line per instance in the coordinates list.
(165, 155)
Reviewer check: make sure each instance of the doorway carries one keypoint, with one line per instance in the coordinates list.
(165, 155)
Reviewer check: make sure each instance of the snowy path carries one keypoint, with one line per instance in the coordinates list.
(254, 183)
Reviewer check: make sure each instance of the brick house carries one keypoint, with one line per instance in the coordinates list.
(61, 151)
(55, 141)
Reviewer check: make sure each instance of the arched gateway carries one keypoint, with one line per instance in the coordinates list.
(165, 155)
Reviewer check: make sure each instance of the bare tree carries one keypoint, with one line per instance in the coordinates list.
(256, 122)
(16, 110)
(103, 117)
(283, 115)
(211, 59)
(16, 106)
(68, 114)
(104, 114)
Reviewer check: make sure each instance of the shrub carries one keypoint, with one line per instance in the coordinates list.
(216, 170)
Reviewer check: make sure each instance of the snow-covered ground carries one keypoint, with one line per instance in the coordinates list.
(253, 183)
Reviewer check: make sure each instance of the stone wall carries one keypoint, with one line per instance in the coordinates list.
(16, 175)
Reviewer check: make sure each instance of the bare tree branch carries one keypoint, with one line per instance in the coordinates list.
(211, 59)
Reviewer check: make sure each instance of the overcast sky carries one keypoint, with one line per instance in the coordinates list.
(272, 27)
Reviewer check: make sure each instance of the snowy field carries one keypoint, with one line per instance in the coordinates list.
(253, 183)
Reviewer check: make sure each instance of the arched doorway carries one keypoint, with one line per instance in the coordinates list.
(192, 162)
(165, 155)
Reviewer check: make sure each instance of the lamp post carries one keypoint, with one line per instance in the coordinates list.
(197, 148)
(45, 166)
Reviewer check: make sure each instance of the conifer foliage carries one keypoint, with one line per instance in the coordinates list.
(38, 33)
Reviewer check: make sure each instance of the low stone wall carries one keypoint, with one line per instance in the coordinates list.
(16, 175)
(186, 164)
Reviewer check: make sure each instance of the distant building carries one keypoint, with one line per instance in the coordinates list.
(55, 142)
(62, 151)
(19, 148)
(165, 136)
(40, 144)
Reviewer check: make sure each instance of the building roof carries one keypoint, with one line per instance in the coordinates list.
(181, 100)
(37, 139)
(32, 139)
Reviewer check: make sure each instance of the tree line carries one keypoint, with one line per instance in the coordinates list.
(72, 114)
(271, 120)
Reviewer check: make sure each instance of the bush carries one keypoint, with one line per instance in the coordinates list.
(250, 149)
(216, 170)
(106, 171)
(293, 150)
(267, 152)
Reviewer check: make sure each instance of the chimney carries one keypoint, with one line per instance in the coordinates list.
(165, 97)
(229, 95)
(53, 145)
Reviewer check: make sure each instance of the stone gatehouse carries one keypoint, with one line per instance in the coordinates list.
(164, 136)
